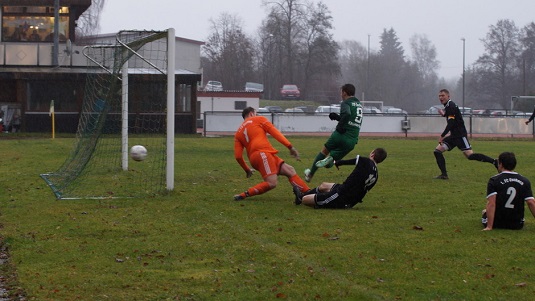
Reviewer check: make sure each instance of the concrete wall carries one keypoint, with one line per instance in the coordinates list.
(228, 122)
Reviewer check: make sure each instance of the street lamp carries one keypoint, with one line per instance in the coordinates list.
(269, 80)
(367, 72)
(464, 41)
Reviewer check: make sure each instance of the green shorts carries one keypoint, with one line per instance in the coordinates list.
(340, 145)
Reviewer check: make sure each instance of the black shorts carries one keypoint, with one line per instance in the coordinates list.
(512, 225)
(461, 142)
(331, 199)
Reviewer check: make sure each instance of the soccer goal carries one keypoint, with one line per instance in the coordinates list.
(128, 100)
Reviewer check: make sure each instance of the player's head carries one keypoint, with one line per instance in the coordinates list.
(245, 113)
(507, 160)
(444, 96)
(378, 155)
(348, 89)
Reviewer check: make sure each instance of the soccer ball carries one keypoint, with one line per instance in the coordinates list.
(138, 152)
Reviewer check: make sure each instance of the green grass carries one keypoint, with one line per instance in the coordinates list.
(413, 238)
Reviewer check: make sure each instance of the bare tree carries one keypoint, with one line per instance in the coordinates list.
(424, 55)
(229, 51)
(297, 42)
(498, 66)
(355, 66)
(528, 59)
(285, 22)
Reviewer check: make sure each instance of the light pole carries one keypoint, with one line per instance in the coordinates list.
(270, 81)
(367, 71)
(464, 41)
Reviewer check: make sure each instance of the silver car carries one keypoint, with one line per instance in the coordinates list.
(213, 85)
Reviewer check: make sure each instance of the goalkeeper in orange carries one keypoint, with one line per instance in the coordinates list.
(252, 136)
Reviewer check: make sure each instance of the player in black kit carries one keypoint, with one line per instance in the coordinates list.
(506, 194)
(457, 138)
(344, 196)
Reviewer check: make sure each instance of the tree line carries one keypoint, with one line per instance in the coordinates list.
(295, 45)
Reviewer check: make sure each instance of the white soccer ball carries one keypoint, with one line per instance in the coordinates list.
(138, 152)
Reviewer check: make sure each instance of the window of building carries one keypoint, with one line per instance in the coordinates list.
(240, 105)
(33, 24)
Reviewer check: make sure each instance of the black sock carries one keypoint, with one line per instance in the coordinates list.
(481, 158)
(312, 191)
(441, 162)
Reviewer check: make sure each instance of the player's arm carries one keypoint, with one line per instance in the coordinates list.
(345, 114)
(449, 125)
(491, 211)
(275, 133)
(531, 206)
(531, 117)
(238, 155)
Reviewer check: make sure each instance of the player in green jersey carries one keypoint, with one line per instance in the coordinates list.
(346, 135)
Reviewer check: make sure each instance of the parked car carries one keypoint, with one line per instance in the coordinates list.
(465, 110)
(523, 115)
(484, 112)
(262, 111)
(294, 110)
(434, 110)
(371, 110)
(393, 110)
(274, 109)
(498, 113)
(327, 109)
(213, 85)
(290, 92)
(307, 109)
(253, 87)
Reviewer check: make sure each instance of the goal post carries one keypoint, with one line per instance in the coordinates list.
(129, 99)
(373, 103)
(522, 103)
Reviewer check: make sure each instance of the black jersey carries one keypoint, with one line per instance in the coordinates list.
(455, 120)
(511, 190)
(360, 181)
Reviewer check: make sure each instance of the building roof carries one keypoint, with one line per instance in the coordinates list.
(44, 2)
(106, 36)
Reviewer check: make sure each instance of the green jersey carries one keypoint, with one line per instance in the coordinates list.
(350, 118)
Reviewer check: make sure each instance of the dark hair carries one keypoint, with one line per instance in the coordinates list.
(379, 155)
(246, 111)
(445, 91)
(349, 89)
(508, 160)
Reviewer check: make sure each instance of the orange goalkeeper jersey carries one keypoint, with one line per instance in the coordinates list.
(252, 135)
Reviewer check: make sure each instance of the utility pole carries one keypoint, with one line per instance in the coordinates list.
(464, 40)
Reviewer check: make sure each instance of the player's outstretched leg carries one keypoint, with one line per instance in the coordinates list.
(327, 162)
(255, 190)
(309, 172)
(441, 162)
(298, 195)
(483, 158)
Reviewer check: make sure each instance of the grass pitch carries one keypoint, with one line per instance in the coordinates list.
(413, 237)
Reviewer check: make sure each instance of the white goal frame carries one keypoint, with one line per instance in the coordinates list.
(170, 130)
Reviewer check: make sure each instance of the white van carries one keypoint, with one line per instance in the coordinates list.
(253, 87)
(328, 109)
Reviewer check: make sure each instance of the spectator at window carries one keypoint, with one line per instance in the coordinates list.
(34, 37)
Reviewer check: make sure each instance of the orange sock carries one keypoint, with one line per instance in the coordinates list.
(259, 189)
(295, 180)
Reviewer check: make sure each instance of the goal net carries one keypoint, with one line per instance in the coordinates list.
(128, 100)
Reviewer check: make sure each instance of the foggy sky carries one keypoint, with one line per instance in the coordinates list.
(443, 22)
